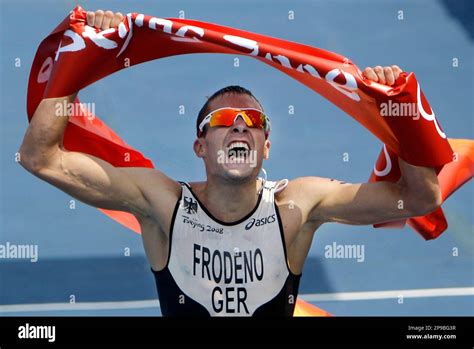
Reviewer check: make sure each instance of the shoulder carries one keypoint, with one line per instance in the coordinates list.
(302, 187)
(153, 182)
(306, 193)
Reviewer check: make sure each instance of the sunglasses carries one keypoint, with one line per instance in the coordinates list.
(226, 117)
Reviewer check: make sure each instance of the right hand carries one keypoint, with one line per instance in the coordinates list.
(104, 20)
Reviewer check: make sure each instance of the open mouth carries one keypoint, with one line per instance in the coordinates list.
(238, 150)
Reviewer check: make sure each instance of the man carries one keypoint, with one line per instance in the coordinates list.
(234, 244)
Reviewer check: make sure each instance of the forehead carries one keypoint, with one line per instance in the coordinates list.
(234, 100)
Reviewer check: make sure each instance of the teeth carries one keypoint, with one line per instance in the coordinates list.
(234, 145)
(238, 149)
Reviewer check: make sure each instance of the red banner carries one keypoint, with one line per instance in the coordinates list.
(75, 55)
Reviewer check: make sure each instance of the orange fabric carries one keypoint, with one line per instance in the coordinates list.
(303, 308)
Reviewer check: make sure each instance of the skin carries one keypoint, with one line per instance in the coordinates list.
(305, 204)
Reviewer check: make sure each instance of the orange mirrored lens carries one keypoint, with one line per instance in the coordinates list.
(223, 117)
(257, 117)
(226, 117)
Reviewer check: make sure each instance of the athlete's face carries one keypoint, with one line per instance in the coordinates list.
(233, 153)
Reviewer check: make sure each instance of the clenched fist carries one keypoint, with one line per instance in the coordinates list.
(385, 75)
(104, 20)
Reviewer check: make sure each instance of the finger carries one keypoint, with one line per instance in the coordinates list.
(370, 74)
(99, 16)
(379, 71)
(389, 77)
(118, 17)
(90, 18)
(108, 16)
(396, 71)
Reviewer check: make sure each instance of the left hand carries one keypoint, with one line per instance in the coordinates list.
(383, 75)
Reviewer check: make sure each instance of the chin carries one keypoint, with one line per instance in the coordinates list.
(239, 173)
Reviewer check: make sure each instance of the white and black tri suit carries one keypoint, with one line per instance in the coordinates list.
(216, 268)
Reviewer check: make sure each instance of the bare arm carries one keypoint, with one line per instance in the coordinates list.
(415, 194)
(325, 200)
(83, 176)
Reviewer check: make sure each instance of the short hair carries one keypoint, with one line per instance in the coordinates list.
(228, 89)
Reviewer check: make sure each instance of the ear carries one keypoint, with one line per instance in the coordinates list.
(199, 148)
(266, 149)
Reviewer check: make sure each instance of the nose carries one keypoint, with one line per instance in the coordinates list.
(239, 125)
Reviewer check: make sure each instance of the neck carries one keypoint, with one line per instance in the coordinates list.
(230, 201)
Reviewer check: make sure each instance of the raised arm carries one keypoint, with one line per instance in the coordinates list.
(326, 200)
(85, 177)
(417, 193)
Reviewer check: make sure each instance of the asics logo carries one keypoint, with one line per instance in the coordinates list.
(260, 222)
